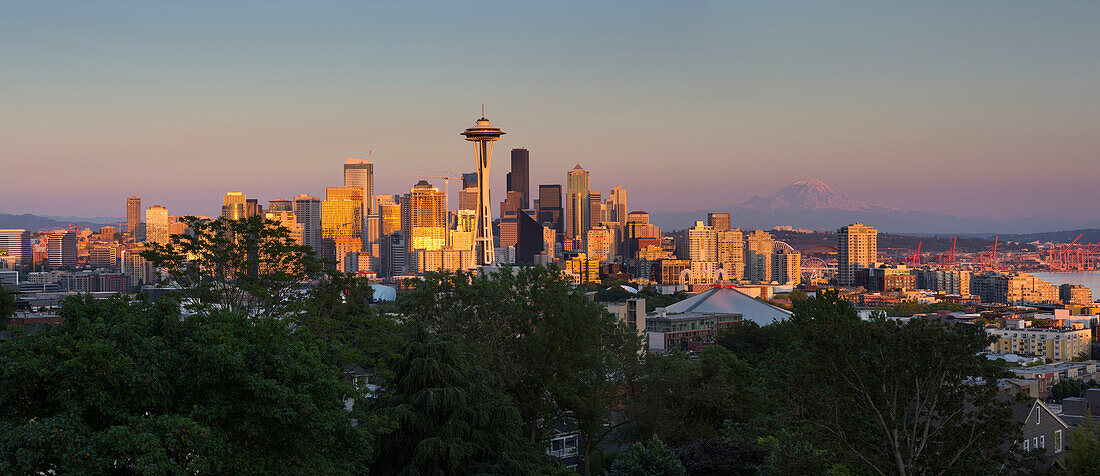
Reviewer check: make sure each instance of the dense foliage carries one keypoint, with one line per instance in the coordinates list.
(653, 458)
(447, 417)
(252, 266)
(7, 305)
(561, 357)
(133, 388)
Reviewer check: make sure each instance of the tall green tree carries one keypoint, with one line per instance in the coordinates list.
(448, 419)
(132, 388)
(340, 308)
(251, 267)
(653, 458)
(892, 398)
(679, 399)
(7, 304)
(827, 303)
(1083, 454)
(559, 356)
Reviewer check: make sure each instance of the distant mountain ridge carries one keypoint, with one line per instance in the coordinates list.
(40, 223)
(814, 204)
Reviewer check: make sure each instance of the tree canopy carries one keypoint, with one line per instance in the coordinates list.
(251, 266)
(447, 418)
(133, 388)
(559, 356)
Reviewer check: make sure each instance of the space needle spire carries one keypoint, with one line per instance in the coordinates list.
(483, 135)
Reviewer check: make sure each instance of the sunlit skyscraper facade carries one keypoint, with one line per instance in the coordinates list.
(156, 225)
(577, 208)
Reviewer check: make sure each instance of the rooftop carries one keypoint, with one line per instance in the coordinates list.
(728, 300)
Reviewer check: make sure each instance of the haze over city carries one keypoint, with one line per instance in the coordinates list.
(984, 109)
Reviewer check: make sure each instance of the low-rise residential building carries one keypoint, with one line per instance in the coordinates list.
(1057, 344)
(700, 318)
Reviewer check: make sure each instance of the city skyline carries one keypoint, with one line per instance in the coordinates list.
(966, 105)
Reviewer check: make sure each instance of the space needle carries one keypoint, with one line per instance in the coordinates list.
(483, 135)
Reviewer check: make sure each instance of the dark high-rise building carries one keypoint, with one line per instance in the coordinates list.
(61, 249)
(252, 207)
(133, 214)
(280, 205)
(529, 241)
(519, 179)
(718, 221)
(550, 210)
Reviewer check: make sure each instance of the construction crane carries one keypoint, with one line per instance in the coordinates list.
(915, 259)
(446, 186)
(948, 258)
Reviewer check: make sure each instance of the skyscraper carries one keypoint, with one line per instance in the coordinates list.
(15, 247)
(719, 221)
(731, 253)
(702, 243)
(521, 176)
(389, 211)
(341, 217)
(759, 246)
(617, 206)
(483, 135)
(577, 208)
(233, 206)
(307, 210)
(598, 244)
(133, 214)
(857, 247)
(360, 173)
(424, 219)
(550, 210)
(156, 225)
(280, 205)
(61, 249)
(252, 208)
(531, 241)
(467, 197)
(595, 210)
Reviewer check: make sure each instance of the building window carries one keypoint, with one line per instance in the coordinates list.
(1057, 441)
(1038, 413)
(1026, 445)
(1042, 441)
(1035, 442)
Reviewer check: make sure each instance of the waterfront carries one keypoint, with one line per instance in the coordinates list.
(1089, 279)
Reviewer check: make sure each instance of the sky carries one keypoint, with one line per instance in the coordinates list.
(977, 108)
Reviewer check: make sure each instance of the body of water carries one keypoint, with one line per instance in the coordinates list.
(1089, 279)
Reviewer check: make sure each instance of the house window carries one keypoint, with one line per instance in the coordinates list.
(1035, 442)
(1038, 412)
(1042, 441)
(1057, 441)
(1025, 445)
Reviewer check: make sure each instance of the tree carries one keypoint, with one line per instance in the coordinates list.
(679, 399)
(126, 387)
(1067, 388)
(250, 267)
(448, 420)
(796, 295)
(651, 459)
(340, 308)
(895, 398)
(1083, 455)
(7, 304)
(720, 456)
(559, 356)
(751, 342)
(827, 303)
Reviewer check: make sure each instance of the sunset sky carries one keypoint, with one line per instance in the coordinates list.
(977, 108)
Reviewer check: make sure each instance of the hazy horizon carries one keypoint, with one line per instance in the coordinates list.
(987, 109)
